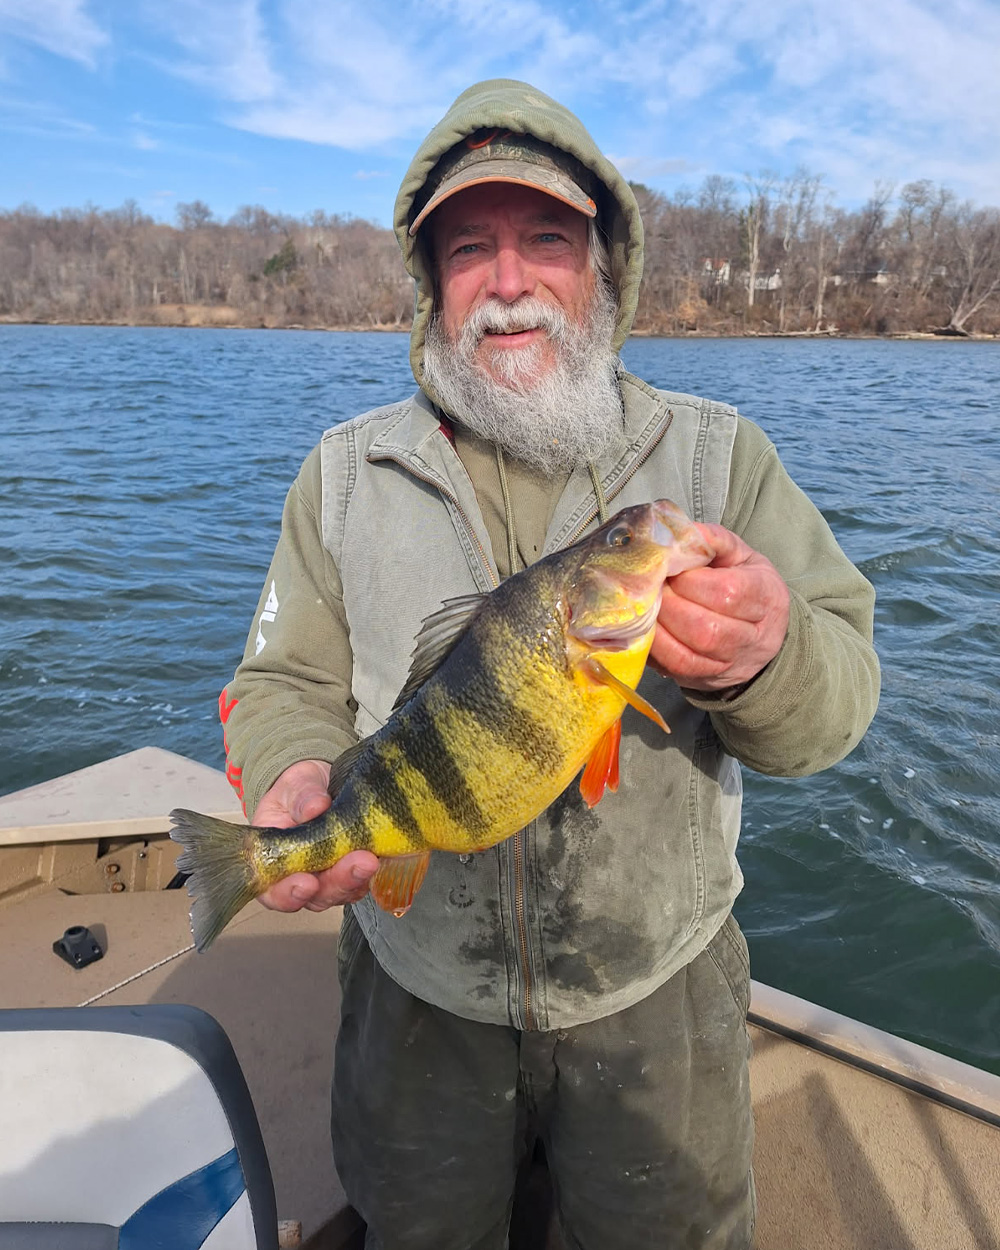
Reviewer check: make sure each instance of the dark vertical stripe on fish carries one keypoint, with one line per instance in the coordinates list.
(387, 794)
(426, 749)
(493, 707)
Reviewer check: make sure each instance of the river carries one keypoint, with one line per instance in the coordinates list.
(141, 481)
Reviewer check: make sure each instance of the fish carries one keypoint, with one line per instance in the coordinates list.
(510, 695)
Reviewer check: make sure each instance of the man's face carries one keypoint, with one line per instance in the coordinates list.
(500, 242)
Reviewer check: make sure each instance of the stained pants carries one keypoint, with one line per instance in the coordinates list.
(644, 1115)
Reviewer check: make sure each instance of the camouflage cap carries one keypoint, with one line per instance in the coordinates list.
(504, 156)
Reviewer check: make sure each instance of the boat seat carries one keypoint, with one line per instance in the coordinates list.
(128, 1128)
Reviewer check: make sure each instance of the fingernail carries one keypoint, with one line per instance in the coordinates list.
(300, 895)
(361, 874)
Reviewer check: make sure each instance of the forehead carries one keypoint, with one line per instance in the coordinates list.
(490, 205)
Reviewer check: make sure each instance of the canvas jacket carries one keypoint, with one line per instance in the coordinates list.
(586, 911)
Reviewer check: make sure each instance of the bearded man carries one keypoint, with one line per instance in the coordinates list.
(585, 980)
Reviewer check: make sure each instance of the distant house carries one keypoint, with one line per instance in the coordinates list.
(879, 275)
(765, 281)
(718, 271)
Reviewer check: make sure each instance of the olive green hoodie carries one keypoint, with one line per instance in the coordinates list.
(586, 911)
(503, 102)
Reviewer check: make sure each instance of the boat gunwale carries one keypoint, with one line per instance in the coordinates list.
(918, 1069)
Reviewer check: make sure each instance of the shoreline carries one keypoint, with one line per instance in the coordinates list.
(200, 321)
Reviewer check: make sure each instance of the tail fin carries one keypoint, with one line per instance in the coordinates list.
(222, 878)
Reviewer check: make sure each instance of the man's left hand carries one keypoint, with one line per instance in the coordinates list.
(719, 625)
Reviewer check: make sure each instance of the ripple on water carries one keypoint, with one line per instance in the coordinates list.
(141, 489)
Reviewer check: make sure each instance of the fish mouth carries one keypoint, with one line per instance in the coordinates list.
(617, 635)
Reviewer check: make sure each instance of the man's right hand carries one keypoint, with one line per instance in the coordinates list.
(301, 794)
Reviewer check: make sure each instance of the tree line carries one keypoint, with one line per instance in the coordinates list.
(767, 255)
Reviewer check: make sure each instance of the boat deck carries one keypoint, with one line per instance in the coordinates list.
(864, 1142)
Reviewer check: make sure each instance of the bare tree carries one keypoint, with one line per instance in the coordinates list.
(794, 212)
(972, 277)
(917, 262)
(754, 221)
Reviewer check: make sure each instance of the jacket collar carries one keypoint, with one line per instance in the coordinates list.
(646, 420)
(414, 438)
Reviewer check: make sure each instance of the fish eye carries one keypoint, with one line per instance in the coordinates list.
(620, 536)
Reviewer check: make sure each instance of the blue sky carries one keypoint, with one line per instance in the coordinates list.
(306, 104)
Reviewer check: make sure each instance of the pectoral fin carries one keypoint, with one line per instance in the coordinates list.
(602, 768)
(395, 885)
(599, 673)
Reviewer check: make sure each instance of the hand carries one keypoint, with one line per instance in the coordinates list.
(719, 625)
(300, 794)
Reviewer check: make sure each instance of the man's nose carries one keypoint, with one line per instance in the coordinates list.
(510, 276)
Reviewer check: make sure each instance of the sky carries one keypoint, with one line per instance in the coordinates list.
(298, 105)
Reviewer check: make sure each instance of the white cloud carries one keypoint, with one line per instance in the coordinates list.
(27, 117)
(226, 49)
(640, 168)
(855, 90)
(60, 26)
(363, 76)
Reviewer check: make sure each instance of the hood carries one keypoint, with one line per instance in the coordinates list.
(519, 107)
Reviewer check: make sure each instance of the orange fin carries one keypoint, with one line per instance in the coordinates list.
(602, 767)
(599, 673)
(395, 885)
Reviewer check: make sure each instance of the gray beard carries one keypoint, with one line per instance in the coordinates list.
(569, 416)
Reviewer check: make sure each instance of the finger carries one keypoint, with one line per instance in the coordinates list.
(672, 658)
(291, 893)
(747, 592)
(729, 548)
(346, 881)
(279, 809)
(309, 803)
(707, 633)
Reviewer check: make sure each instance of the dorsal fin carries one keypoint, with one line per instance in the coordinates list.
(342, 765)
(438, 635)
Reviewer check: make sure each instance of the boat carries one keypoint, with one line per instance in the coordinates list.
(864, 1140)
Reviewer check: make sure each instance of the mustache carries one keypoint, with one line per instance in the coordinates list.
(495, 316)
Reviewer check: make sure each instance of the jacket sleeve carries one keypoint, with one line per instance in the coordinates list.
(290, 698)
(813, 703)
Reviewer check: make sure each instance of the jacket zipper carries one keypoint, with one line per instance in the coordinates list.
(522, 928)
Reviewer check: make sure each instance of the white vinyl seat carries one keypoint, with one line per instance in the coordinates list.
(128, 1128)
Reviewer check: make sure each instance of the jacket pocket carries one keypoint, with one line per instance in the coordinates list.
(729, 953)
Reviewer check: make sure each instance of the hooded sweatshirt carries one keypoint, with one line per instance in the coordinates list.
(586, 911)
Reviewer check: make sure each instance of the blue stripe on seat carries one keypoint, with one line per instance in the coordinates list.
(181, 1216)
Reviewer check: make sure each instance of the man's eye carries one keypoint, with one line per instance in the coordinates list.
(549, 237)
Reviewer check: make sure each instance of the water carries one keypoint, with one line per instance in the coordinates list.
(141, 481)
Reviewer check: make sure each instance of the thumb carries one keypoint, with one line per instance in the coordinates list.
(309, 802)
(728, 547)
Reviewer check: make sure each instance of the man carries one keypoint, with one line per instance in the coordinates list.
(585, 979)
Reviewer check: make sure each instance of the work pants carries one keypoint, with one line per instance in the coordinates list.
(644, 1115)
